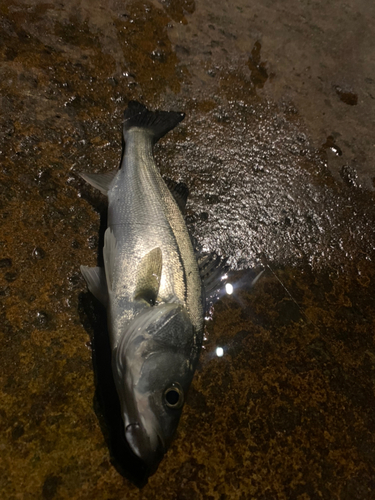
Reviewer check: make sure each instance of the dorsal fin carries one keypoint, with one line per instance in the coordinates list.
(212, 267)
(148, 276)
(180, 193)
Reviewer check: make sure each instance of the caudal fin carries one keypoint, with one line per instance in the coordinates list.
(157, 122)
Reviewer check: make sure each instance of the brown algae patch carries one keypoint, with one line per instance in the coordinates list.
(346, 95)
(178, 9)
(259, 73)
(298, 385)
(148, 54)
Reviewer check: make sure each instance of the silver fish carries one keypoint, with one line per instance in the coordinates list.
(151, 287)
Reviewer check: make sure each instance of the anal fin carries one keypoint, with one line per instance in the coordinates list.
(96, 282)
(100, 181)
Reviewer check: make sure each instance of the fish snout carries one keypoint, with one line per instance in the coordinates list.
(151, 453)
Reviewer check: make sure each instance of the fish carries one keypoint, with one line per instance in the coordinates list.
(151, 286)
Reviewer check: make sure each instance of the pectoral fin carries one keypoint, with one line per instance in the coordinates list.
(148, 277)
(96, 282)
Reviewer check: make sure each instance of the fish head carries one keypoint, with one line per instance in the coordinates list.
(153, 368)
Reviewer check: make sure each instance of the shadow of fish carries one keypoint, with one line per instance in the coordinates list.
(151, 287)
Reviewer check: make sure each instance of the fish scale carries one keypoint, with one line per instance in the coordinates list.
(140, 198)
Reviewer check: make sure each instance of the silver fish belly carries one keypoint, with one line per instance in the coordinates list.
(151, 288)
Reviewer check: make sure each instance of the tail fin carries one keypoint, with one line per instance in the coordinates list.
(157, 122)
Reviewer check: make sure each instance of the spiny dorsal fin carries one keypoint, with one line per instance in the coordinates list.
(148, 277)
(180, 193)
(158, 123)
(212, 269)
(96, 282)
(100, 181)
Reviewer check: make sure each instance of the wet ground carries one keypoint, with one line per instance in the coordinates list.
(277, 150)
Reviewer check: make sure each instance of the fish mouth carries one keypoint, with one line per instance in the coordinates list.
(149, 451)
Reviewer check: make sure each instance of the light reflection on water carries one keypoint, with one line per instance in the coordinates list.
(219, 352)
(244, 281)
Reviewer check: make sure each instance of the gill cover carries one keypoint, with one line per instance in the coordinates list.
(153, 367)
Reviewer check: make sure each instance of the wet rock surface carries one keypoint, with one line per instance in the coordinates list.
(276, 149)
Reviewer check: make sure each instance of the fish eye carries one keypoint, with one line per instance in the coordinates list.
(174, 397)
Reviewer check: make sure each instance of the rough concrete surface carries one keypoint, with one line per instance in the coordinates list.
(277, 149)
